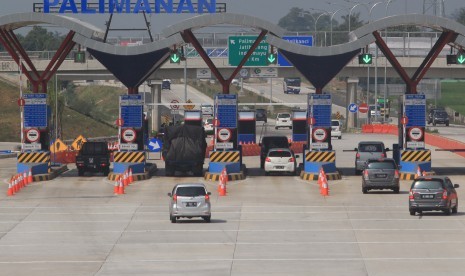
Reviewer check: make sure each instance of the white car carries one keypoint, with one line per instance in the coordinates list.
(283, 120)
(208, 125)
(281, 160)
(336, 129)
(207, 109)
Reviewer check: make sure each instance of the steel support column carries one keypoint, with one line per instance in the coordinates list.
(133, 90)
(189, 36)
(412, 82)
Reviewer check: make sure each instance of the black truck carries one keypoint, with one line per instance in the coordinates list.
(93, 157)
(184, 149)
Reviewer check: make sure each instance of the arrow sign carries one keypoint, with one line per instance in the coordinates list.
(367, 59)
(272, 58)
(461, 58)
(155, 145)
(175, 58)
(353, 107)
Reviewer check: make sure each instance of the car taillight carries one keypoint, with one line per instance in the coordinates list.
(365, 174)
(267, 159)
(444, 194)
(357, 155)
(383, 155)
(207, 197)
(410, 195)
(396, 174)
(291, 159)
(103, 165)
(175, 198)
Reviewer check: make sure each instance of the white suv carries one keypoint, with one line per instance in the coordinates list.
(283, 120)
(336, 129)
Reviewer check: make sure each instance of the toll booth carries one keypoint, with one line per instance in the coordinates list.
(414, 156)
(319, 154)
(35, 151)
(131, 136)
(225, 153)
(246, 130)
(193, 117)
(299, 126)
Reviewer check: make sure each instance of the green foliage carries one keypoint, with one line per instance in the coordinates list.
(39, 39)
(452, 95)
(459, 16)
(297, 20)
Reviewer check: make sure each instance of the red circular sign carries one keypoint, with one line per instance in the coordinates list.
(311, 121)
(363, 108)
(224, 134)
(129, 135)
(404, 120)
(21, 102)
(175, 104)
(415, 133)
(32, 135)
(320, 134)
(216, 122)
(119, 122)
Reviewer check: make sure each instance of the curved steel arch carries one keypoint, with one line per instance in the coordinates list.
(18, 20)
(430, 21)
(207, 20)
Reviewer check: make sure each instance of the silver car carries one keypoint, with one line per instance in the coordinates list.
(380, 174)
(366, 151)
(190, 200)
(281, 160)
(436, 193)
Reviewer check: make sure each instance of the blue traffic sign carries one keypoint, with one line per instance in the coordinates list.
(301, 40)
(155, 145)
(35, 110)
(415, 110)
(226, 110)
(131, 111)
(320, 109)
(353, 107)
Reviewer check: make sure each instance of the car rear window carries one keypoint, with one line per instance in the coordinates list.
(277, 153)
(370, 148)
(381, 165)
(190, 191)
(334, 123)
(284, 115)
(428, 184)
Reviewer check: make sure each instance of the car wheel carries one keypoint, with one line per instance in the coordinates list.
(275, 127)
(456, 208)
(448, 211)
(267, 173)
(412, 212)
(447, 124)
(106, 172)
(173, 219)
(207, 218)
(340, 137)
(357, 172)
(169, 171)
(80, 172)
(395, 190)
(364, 190)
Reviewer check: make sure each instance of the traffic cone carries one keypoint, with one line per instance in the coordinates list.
(10, 188)
(321, 175)
(418, 172)
(15, 184)
(325, 187)
(29, 177)
(131, 179)
(116, 187)
(21, 181)
(222, 186)
(121, 187)
(125, 178)
(424, 173)
(26, 180)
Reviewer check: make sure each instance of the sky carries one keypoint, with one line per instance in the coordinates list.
(258, 8)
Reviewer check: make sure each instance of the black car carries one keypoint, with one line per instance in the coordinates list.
(93, 157)
(260, 115)
(431, 113)
(440, 117)
(166, 84)
(271, 142)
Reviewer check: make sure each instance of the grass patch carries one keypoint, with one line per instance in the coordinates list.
(453, 95)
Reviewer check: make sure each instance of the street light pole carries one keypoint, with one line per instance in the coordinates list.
(334, 13)
(385, 60)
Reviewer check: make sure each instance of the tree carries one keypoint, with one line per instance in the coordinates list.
(297, 20)
(459, 16)
(341, 31)
(39, 39)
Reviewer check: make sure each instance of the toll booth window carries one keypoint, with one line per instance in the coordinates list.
(371, 148)
(299, 127)
(247, 127)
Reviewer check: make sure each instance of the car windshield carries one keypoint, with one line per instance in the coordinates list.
(209, 121)
(441, 114)
(384, 165)
(284, 115)
(370, 148)
(428, 184)
(260, 110)
(334, 123)
(279, 153)
(190, 191)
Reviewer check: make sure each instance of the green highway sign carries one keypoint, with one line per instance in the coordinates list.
(175, 57)
(240, 45)
(365, 59)
(272, 58)
(80, 57)
(461, 58)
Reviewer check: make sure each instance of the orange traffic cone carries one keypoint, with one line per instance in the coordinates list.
(418, 172)
(21, 181)
(15, 184)
(10, 188)
(424, 173)
(131, 178)
(125, 179)
(116, 186)
(222, 186)
(29, 177)
(325, 187)
(321, 175)
(26, 182)
(121, 187)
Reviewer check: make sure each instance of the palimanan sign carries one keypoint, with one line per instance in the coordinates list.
(128, 6)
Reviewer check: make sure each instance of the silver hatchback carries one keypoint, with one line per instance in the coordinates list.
(380, 174)
(368, 150)
(190, 200)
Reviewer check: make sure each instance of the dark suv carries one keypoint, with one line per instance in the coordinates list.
(440, 117)
(260, 115)
(380, 174)
(93, 157)
(431, 112)
(433, 193)
(271, 142)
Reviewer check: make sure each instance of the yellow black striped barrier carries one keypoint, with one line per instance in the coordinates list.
(225, 156)
(129, 157)
(149, 171)
(231, 177)
(416, 156)
(314, 176)
(412, 176)
(34, 157)
(320, 156)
